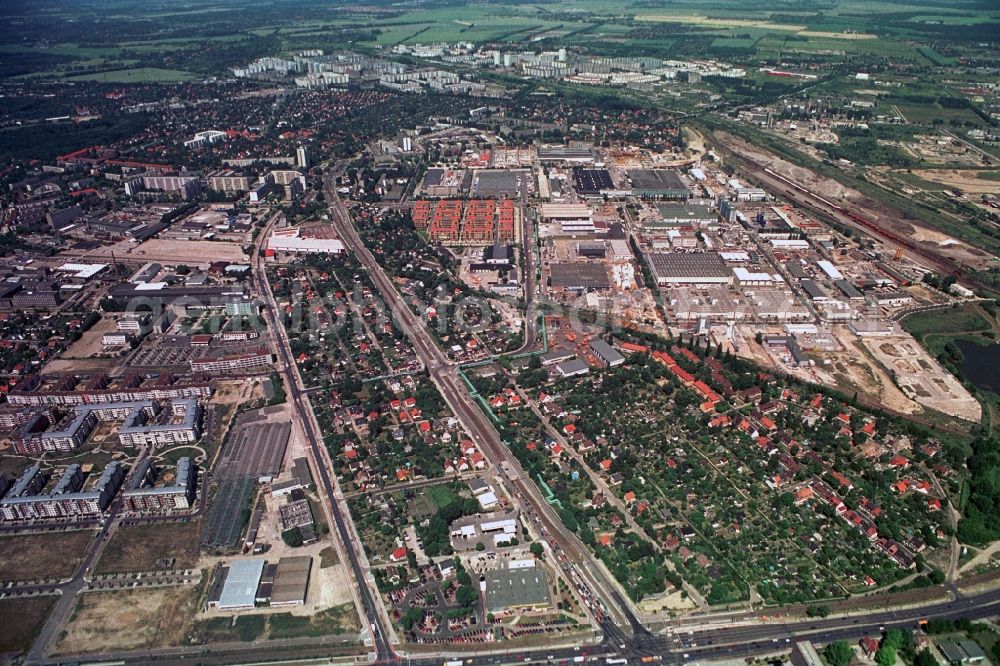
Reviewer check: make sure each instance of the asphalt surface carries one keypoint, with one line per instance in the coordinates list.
(623, 636)
(445, 375)
(300, 403)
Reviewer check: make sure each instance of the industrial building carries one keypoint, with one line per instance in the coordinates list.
(962, 651)
(572, 368)
(689, 268)
(245, 583)
(805, 654)
(239, 585)
(579, 276)
(657, 184)
(291, 581)
(611, 356)
(491, 528)
(516, 589)
(289, 240)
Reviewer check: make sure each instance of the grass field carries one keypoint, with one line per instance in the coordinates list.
(34, 556)
(138, 75)
(138, 547)
(328, 557)
(935, 57)
(936, 328)
(21, 620)
(441, 495)
(948, 322)
(336, 620)
(243, 628)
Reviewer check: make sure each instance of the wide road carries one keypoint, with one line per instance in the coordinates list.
(445, 376)
(708, 644)
(370, 609)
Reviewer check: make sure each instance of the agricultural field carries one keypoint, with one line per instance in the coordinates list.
(138, 75)
(208, 39)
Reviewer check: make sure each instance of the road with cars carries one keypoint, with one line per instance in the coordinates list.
(598, 591)
(623, 639)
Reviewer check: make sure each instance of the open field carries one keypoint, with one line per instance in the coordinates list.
(947, 322)
(32, 556)
(129, 619)
(21, 620)
(921, 377)
(139, 547)
(189, 252)
(138, 75)
(243, 628)
(336, 620)
(89, 343)
(968, 181)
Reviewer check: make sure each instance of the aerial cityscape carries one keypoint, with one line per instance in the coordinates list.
(453, 333)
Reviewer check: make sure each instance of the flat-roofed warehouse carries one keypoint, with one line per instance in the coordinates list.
(512, 589)
(591, 181)
(576, 154)
(579, 276)
(239, 590)
(433, 177)
(291, 581)
(689, 268)
(256, 449)
(498, 182)
(657, 184)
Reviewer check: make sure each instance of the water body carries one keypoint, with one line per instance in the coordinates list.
(981, 365)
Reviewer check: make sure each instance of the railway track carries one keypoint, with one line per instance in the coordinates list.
(821, 204)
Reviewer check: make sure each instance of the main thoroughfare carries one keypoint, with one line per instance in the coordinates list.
(623, 636)
(622, 633)
(605, 596)
(369, 606)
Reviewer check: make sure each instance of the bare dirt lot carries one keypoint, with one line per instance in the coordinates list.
(922, 378)
(189, 252)
(89, 343)
(853, 369)
(136, 548)
(966, 180)
(83, 366)
(674, 601)
(32, 556)
(192, 253)
(129, 619)
(21, 619)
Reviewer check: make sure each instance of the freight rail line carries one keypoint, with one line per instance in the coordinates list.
(949, 266)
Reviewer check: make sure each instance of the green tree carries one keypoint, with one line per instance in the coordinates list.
(466, 596)
(838, 653)
(292, 537)
(886, 656)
